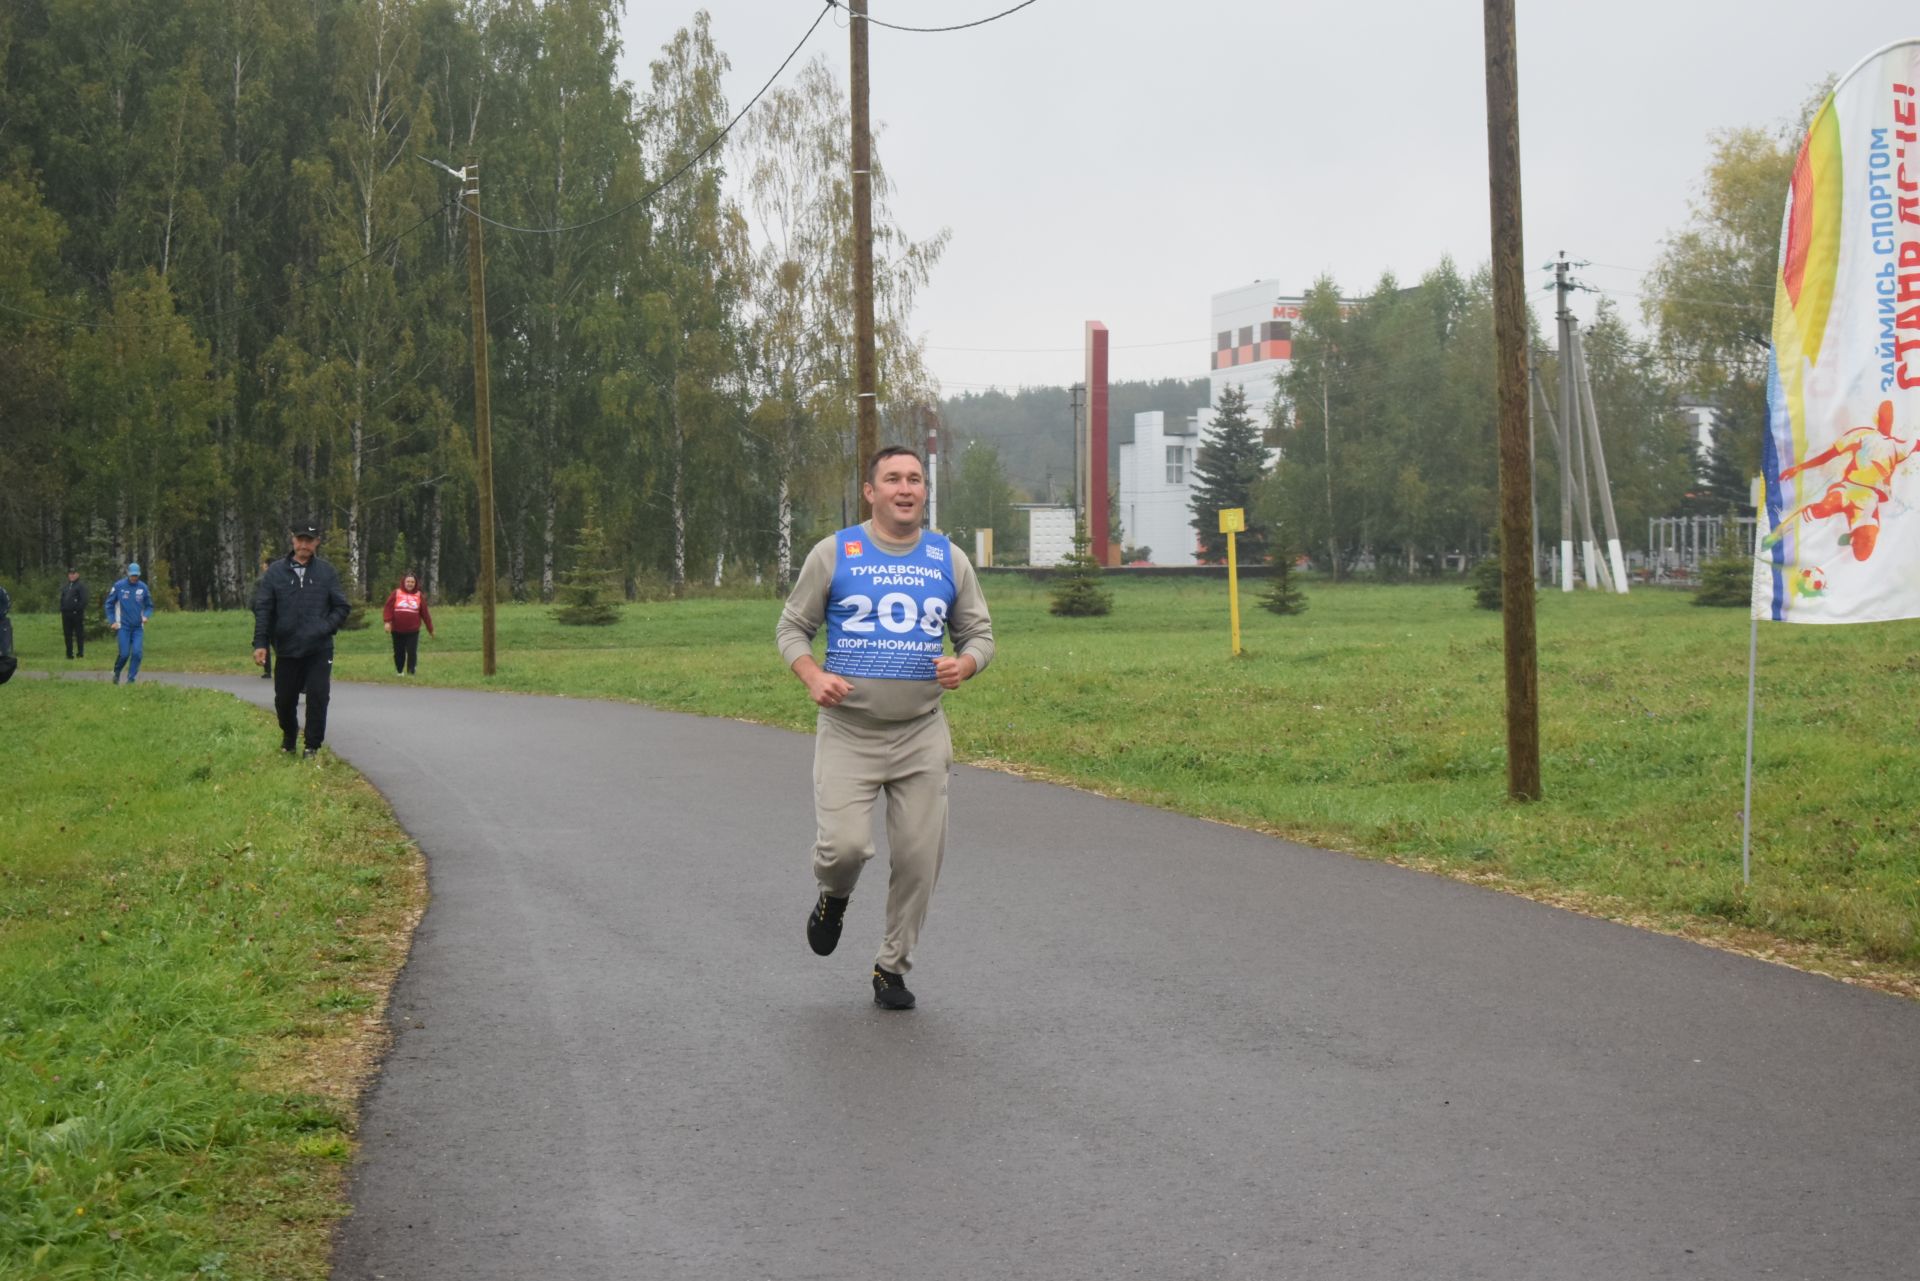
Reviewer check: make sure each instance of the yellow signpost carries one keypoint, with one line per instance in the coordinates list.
(1232, 521)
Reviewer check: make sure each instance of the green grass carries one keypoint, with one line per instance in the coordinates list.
(1372, 723)
(192, 932)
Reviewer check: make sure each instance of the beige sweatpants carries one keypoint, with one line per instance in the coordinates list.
(855, 758)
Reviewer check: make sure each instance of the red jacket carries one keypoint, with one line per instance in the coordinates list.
(407, 611)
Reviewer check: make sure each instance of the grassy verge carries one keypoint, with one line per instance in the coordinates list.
(196, 939)
(1372, 723)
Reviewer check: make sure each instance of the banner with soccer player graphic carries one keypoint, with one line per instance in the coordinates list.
(1842, 500)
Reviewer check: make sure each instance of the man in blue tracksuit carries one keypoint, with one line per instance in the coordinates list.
(129, 605)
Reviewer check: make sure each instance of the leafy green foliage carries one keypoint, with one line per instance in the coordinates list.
(1710, 296)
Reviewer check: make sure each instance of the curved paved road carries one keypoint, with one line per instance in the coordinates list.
(1147, 1047)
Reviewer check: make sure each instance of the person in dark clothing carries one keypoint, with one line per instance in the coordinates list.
(8, 663)
(7, 659)
(406, 613)
(297, 608)
(73, 615)
(266, 665)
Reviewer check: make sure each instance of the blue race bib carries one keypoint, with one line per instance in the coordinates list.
(887, 614)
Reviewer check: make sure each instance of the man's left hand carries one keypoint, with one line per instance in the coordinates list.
(950, 670)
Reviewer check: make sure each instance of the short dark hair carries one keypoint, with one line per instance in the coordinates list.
(885, 452)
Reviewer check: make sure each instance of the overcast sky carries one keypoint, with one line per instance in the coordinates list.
(1123, 161)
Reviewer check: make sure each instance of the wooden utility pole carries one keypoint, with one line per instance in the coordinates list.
(866, 409)
(1079, 448)
(482, 408)
(1326, 428)
(1510, 336)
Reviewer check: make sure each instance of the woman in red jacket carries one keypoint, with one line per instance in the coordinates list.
(406, 612)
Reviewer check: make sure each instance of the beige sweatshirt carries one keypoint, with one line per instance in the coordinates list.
(887, 700)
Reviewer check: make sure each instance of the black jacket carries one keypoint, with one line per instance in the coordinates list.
(73, 597)
(298, 618)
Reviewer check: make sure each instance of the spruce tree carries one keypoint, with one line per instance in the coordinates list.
(1486, 583)
(590, 588)
(1229, 465)
(1282, 594)
(1077, 592)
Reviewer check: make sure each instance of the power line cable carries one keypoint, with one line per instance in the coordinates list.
(875, 22)
(1132, 346)
(693, 160)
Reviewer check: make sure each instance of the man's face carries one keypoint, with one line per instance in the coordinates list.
(303, 547)
(72, 575)
(897, 493)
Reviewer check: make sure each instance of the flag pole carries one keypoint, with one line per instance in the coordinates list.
(1746, 809)
(1762, 577)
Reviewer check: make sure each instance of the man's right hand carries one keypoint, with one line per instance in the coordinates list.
(826, 688)
(259, 658)
(823, 687)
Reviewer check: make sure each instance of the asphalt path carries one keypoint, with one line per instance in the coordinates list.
(1147, 1046)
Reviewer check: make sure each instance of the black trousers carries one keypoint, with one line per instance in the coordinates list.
(312, 675)
(406, 651)
(74, 628)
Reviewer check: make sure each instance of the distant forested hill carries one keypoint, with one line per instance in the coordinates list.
(1033, 428)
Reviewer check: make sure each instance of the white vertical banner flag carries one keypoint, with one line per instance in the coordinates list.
(1841, 510)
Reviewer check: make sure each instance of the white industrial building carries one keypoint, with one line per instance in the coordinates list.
(1154, 490)
(1253, 348)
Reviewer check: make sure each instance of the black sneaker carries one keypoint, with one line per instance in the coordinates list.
(890, 990)
(823, 924)
(310, 753)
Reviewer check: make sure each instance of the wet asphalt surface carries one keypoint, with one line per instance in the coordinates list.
(1147, 1046)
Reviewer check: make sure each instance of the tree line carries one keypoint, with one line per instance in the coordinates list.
(233, 292)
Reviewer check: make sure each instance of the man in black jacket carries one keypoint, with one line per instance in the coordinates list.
(73, 614)
(297, 608)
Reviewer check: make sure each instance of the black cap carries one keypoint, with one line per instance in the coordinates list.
(305, 529)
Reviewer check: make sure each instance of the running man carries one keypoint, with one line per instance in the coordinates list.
(889, 593)
(1873, 456)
